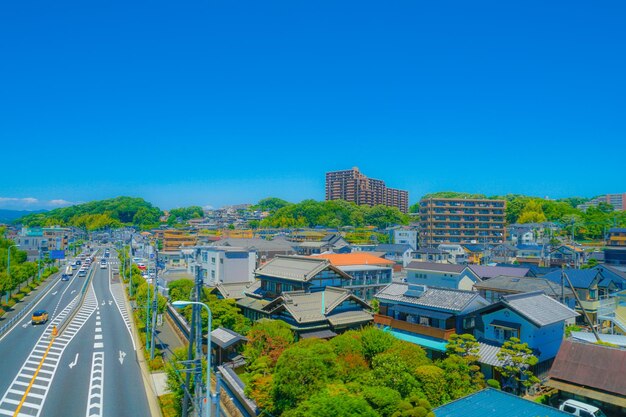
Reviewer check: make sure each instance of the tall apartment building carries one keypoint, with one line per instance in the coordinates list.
(352, 185)
(458, 220)
(618, 201)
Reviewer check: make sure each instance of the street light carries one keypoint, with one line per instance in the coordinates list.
(181, 304)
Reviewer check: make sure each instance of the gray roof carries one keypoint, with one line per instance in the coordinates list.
(486, 272)
(522, 285)
(316, 306)
(237, 290)
(225, 338)
(488, 354)
(298, 268)
(433, 266)
(393, 248)
(439, 298)
(256, 243)
(538, 308)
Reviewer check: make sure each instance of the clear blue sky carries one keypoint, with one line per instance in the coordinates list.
(223, 102)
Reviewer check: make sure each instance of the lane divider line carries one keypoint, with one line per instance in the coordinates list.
(32, 381)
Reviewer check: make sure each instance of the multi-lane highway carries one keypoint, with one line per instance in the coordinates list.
(90, 369)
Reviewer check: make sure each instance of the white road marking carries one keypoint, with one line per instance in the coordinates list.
(72, 292)
(122, 356)
(55, 293)
(73, 364)
(98, 345)
(96, 386)
(98, 337)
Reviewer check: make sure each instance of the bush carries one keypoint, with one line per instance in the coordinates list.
(18, 297)
(11, 303)
(26, 290)
(493, 383)
(156, 363)
(2, 312)
(542, 399)
(33, 285)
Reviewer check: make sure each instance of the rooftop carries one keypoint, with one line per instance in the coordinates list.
(538, 308)
(439, 298)
(521, 285)
(485, 272)
(433, 266)
(356, 258)
(495, 403)
(300, 268)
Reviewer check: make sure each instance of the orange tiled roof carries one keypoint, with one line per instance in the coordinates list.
(356, 258)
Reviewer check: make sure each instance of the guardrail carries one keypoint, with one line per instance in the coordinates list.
(5, 328)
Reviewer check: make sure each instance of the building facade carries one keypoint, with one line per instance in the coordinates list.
(351, 185)
(618, 201)
(462, 221)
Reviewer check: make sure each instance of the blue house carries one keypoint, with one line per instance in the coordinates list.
(426, 316)
(533, 317)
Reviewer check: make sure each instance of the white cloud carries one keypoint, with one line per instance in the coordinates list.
(32, 203)
(208, 207)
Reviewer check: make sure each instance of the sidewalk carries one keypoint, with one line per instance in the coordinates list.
(17, 308)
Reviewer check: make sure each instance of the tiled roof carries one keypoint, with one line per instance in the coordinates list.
(355, 258)
(495, 403)
(438, 298)
(433, 266)
(538, 308)
(580, 278)
(394, 248)
(522, 285)
(488, 354)
(298, 268)
(259, 244)
(486, 272)
(312, 307)
(225, 338)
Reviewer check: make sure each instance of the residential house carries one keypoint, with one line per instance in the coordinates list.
(338, 242)
(457, 253)
(405, 235)
(566, 255)
(591, 286)
(424, 315)
(615, 250)
(531, 254)
(521, 234)
(476, 252)
(495, 288)
(490, 402)
(400, 254)
(369, 273)
(438, 275)
(265, 249)
(534, 318)
(432, 255)
(591, 373)
(503, 253)
(305, 292)
(224, 264)
(485, 272)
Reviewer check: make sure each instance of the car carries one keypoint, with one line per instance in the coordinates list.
(78, 261)
(39, 317)
(581, 409)
(65, 277)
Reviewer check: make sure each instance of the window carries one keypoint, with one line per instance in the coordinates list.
(425, 321)
(212, 274)
(469, 323)
(213, 260)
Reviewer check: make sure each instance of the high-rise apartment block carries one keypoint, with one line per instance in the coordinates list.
(352, 185)
(460, 220)
(618, 201)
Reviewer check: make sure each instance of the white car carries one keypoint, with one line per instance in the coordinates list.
(581, 409)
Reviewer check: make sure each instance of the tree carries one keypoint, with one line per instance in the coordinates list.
(326, 404)
(517, 359)
(267, 338)
(375, 341)
(463, 345)
(462, 375)
(382, 399)
(303, 370)
(532, 213)
(414, 406)
(432, 382)
(270, 204)
(180, 289)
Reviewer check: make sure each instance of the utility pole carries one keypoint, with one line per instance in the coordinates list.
(154, 299)
(197, 327)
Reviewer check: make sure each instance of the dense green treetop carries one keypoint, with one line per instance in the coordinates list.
(270, 204)
(334, 213)
(94, 215)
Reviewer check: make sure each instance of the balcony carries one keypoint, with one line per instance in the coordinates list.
(413, 328)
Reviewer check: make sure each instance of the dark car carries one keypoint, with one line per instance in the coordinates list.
(65, 277)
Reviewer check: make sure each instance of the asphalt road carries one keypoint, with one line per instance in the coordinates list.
(88, 370)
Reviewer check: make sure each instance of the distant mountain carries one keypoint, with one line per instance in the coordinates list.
(7, 216)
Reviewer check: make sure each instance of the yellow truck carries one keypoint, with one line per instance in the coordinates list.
(39, 317)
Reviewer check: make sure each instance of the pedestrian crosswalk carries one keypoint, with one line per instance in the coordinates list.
(27, 393)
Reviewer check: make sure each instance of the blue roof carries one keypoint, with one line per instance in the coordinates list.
(495, 403)
(529, 247)
(580, 278)
(397, 248)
